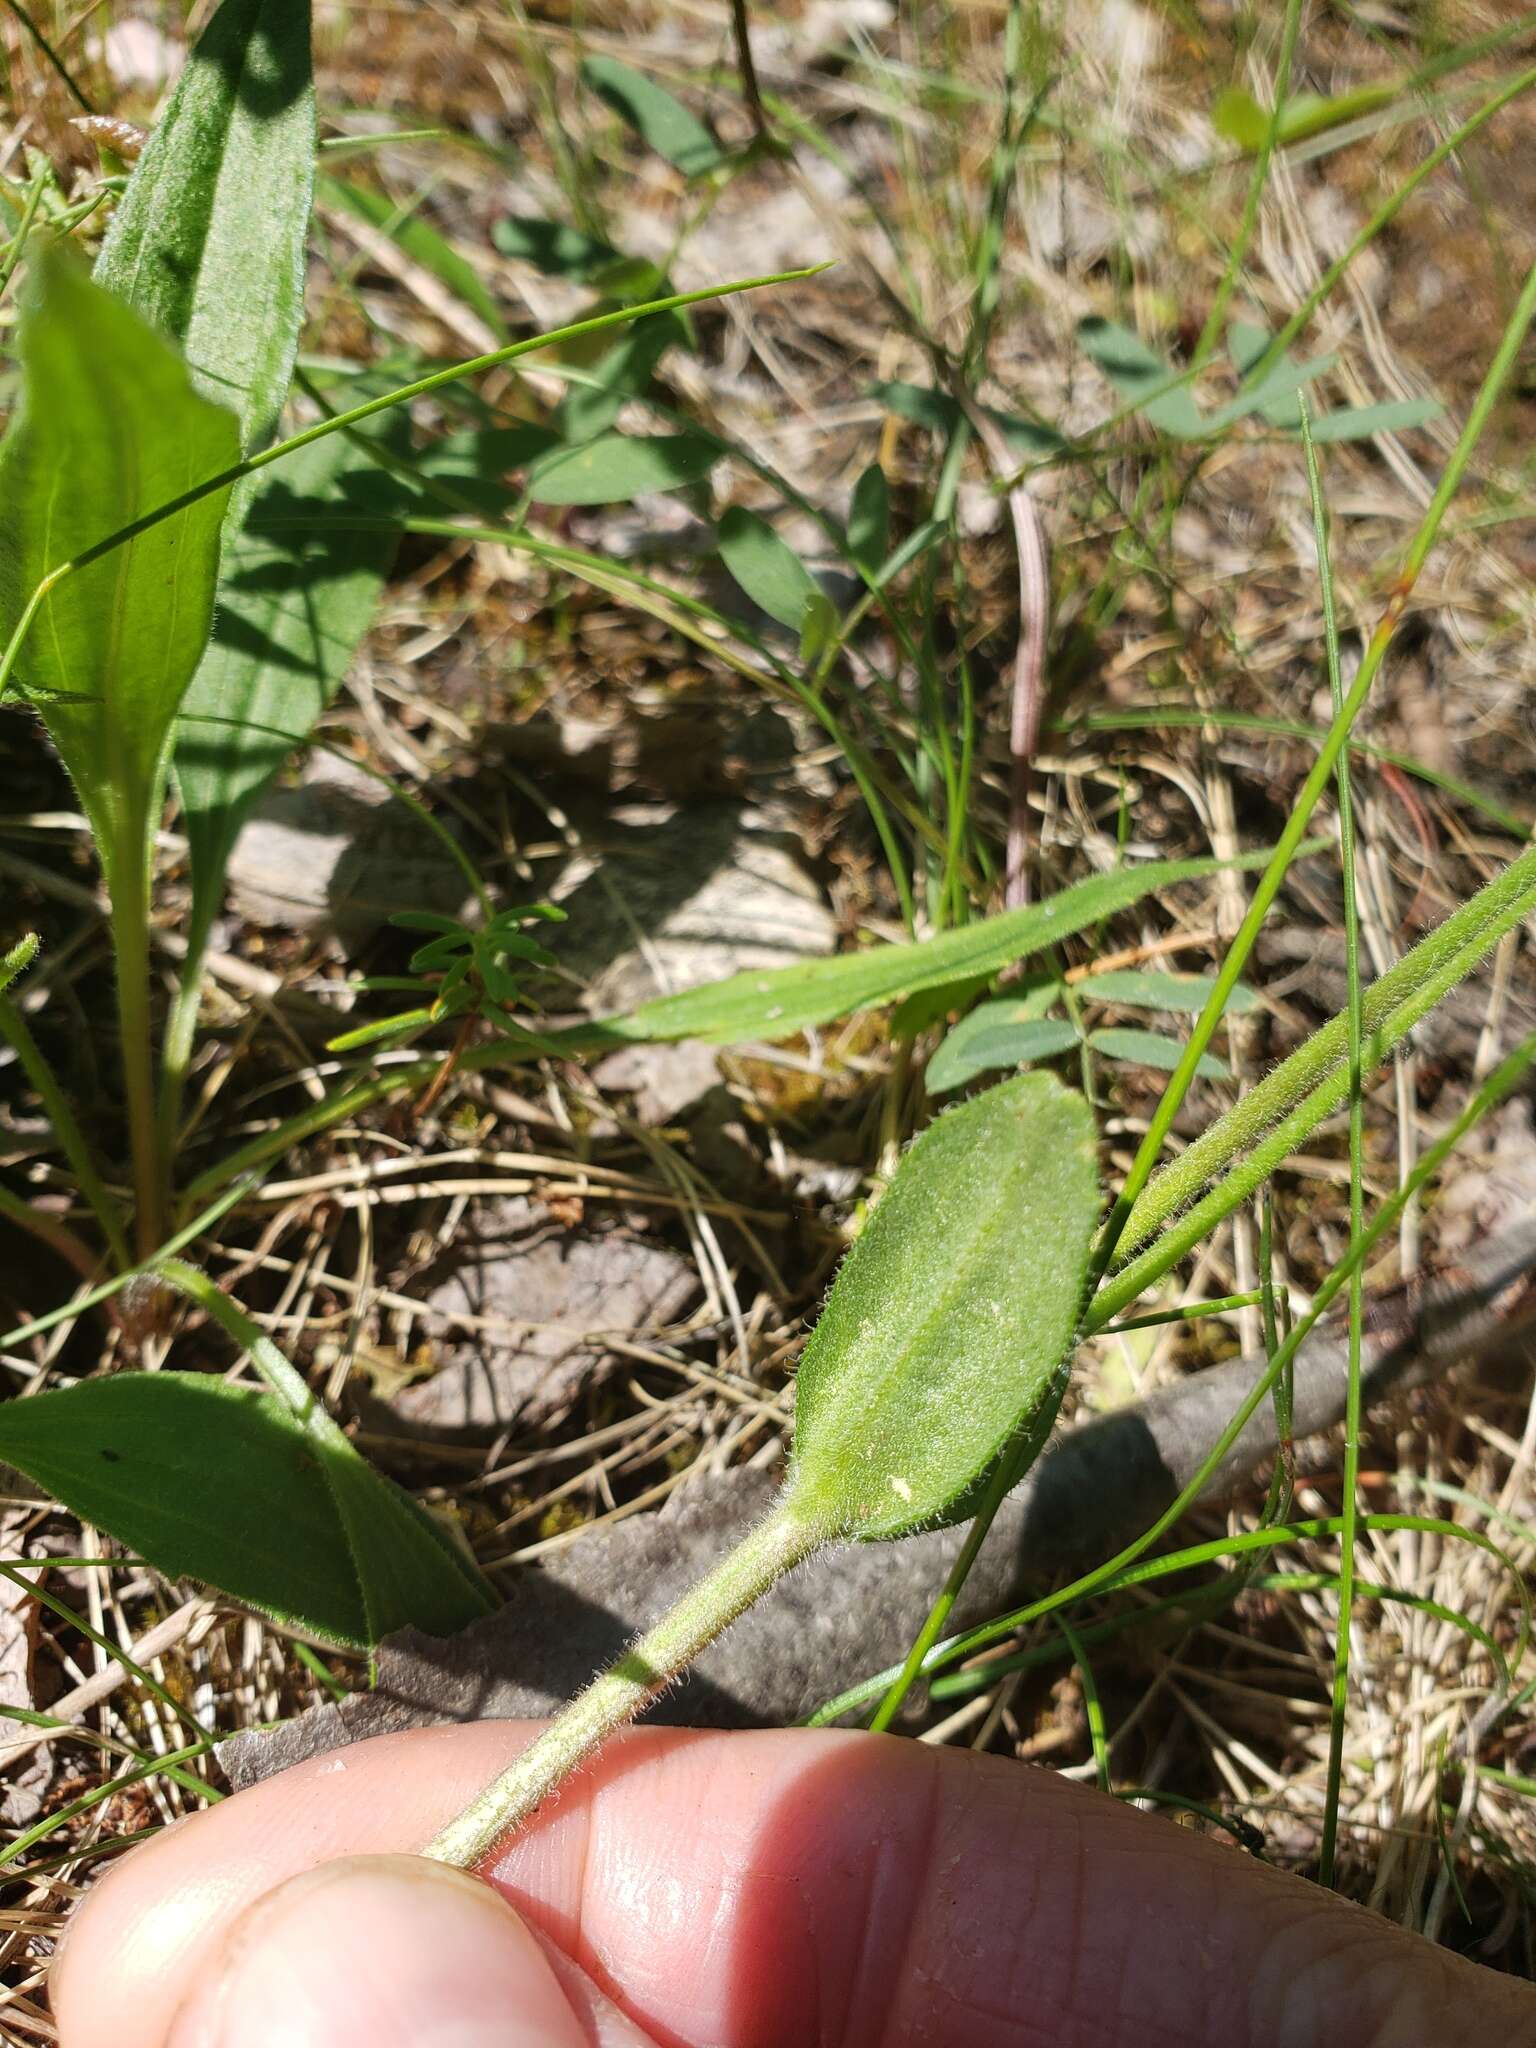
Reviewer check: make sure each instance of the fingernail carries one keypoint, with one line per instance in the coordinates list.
(384, 1951)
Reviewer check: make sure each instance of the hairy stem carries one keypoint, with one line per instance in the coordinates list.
(773, 1548)
(1288, 1104)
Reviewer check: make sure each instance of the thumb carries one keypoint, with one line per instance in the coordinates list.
(391, 1952)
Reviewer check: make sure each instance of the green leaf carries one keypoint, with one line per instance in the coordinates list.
(204, 1480)
(623, 372)
(1275, 396)
(777, 1002)
(1391, 416)
(208, 239)
(1238, 117)
(421, 242)
(296, 594)
(1146, 989)
(618, 467)
(1151, 1049)
(662, 123)
(766, 568)
(1136, 371)
(942, 415)
(950, 1321)
(996, 1035)
(869, 520)
(411, 1572)
(928, 1006)
(818, 629)
(473, 464)
(554, 248)
(110, 428)
(407, 1568)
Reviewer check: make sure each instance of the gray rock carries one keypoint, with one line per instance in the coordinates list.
(555, 1295)
(336, 852)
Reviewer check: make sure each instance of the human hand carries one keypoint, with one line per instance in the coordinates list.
(737, 1891)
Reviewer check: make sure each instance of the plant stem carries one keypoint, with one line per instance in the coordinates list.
(1356, 1179)
(1504, 358)
(67, 1132)
(129, 889)
(53, 1231)
(773, 1548)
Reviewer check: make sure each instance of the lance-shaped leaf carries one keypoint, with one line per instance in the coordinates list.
(783, 1000)
(297, 591)
(234, 1488)
(766, 567)
(208, 239)
(617, 467)
(660, 121)
(947, 1328)
(109, 429)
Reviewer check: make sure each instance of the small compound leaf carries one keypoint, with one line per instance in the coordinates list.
(1137, 373)
(1274, 398)
(869, 520)
(1151, 1049)
(205, 1481)
(948, 1324)
(991, 1039)
(618, 467)
(766, 568)
(1144, 988)
(662, 123)
(208, 239)
(109, 429)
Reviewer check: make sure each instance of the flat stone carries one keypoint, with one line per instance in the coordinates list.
(554, 1296)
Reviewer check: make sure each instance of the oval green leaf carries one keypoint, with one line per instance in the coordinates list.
(1151, 1049)
(869, 520)
(204, 1480)
(617, 467)
(1141, 988)
(660, 121)
(109, 428)
(766, 568)
(949, 1323)
(983, 1043)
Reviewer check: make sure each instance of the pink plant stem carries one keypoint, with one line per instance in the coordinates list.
(1028, 661)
